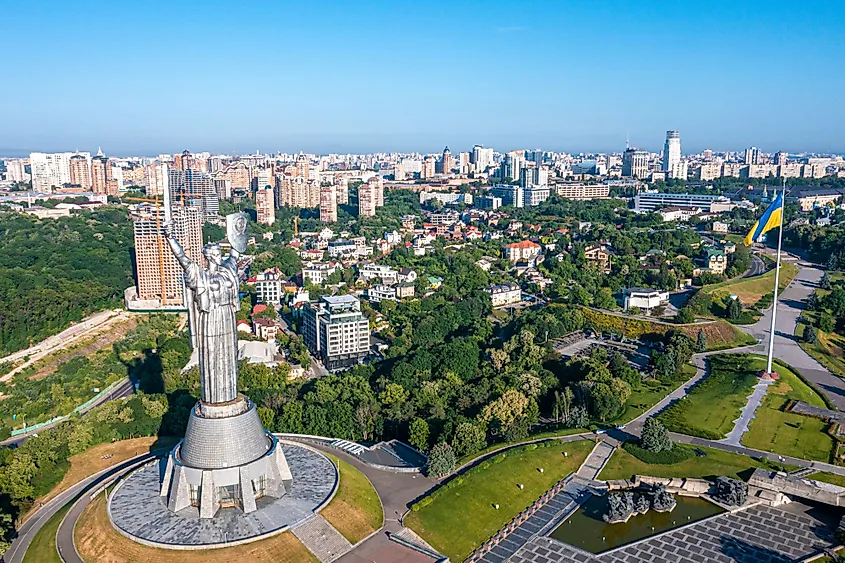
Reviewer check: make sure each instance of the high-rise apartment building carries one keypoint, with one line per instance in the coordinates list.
(512, 166)
(752, 155)
(635, 163)
(446, 163)
(398, 172)
(429, 167)
(50, 170)
(298, 192)
(370, 197)
(158, 276)
(481, 158)
(80, 171)
(336, 331)
(342, 191)
(100, 174)
(195, 189)
(781, 158)
(157, 178)
(265, 206)
(672, 154)
(16, 170)
(303, 167)
(328, 204)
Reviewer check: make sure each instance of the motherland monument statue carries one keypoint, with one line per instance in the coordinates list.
(227, 458)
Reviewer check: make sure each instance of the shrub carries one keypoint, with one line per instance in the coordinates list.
(666, 457)
(441, 460)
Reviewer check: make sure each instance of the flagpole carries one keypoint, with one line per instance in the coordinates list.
(777, 279)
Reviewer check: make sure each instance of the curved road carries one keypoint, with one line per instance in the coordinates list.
(29, 528)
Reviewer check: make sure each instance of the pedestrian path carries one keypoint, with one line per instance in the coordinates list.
(321, 539)
(755, 399)
(594, 463)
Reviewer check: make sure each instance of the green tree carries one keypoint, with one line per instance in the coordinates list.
(654, 437)
(734, 309)
(418, 434)
(604, 299)
(468, 439)
(826, 322)
(701, 342)
(441, 460)
(810, 335)
(267, 416)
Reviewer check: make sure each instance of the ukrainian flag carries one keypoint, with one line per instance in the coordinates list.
(771, 219)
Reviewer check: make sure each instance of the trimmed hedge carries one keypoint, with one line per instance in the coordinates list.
(677, 454)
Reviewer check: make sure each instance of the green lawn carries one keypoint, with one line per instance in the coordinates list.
(460, 518)
(786, 433)
(623, 465)
(648, 395)
(709, 410)
(831, 478)
(355, 510)
(828, 350)
(750, 290)
(539, 436)
(43, 546)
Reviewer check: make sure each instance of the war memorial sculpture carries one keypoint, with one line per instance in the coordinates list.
(229, 480)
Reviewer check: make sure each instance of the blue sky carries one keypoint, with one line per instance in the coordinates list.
(149, 77)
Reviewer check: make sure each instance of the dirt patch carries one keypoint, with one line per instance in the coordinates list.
(97, 540)
(96, 459)
(103, 338)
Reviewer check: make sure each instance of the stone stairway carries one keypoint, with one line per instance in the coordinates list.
(321, 539)
(351, 447)
(804, 472)
(594, 463)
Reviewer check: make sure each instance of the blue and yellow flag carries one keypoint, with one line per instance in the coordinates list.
(771, 219)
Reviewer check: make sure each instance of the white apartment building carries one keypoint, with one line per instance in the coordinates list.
(504, 294)
(50, 170)
(316, 273)
(336, 331)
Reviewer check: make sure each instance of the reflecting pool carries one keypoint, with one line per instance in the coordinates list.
(585, 528)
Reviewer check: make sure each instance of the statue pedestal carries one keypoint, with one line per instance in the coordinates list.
(224, 461)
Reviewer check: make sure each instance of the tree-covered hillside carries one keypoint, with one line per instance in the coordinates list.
(57, 271)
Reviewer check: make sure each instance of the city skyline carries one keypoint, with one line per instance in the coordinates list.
(370, 77)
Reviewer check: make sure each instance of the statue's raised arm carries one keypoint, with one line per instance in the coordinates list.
(178, 251)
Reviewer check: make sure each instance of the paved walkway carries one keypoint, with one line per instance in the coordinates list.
(321, 539)
(595, 462)
(755, 399)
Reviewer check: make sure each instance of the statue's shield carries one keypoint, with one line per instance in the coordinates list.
(236, 224)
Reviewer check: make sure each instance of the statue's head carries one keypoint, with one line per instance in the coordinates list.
(213, 253)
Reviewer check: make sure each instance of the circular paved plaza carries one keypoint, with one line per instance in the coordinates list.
(138, 511)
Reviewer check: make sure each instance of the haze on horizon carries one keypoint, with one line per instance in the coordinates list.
(401, 76)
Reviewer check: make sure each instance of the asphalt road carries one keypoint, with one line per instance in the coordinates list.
(757, 267)
(29, 528)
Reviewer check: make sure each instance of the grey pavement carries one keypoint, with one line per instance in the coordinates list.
(755, 399)
(321, 538)
(754, 535)
(596, 461)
